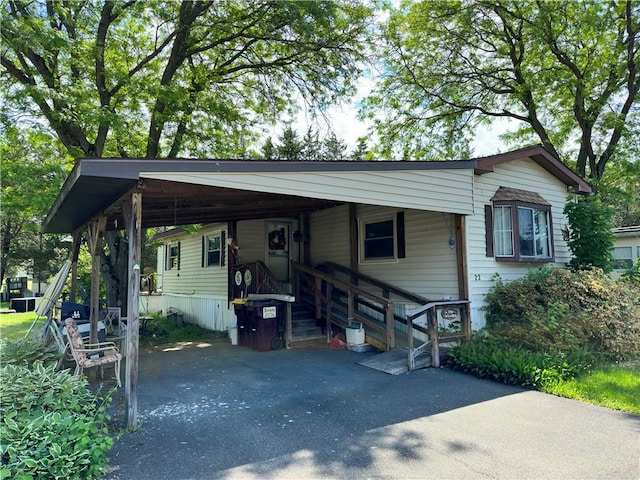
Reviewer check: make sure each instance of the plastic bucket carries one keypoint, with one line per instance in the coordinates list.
(355, 333)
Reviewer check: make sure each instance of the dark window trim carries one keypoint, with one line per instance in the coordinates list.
(167, 263)
(516, 257)
(204, 253)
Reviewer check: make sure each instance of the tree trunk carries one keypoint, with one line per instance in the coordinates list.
(114, 269)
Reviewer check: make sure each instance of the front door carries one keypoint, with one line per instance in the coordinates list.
(278, 237)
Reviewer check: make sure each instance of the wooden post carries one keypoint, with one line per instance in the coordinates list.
(463, 267)
(465, 321)
(390, 320)
(77, 241)
(433, 335)
(289, 327)
(96, 238)
(133, 214)
(350, 309)
(329, 313)
(411, 360)
(318, 292)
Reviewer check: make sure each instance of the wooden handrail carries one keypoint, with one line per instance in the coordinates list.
(264, 281)
(352, 292)
(385, 287)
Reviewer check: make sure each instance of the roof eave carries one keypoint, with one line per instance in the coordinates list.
(544, 158)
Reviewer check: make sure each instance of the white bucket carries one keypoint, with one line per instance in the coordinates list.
(355, 333)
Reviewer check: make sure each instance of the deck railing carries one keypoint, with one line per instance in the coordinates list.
(435, 338)
(261, 278)
(320, 286)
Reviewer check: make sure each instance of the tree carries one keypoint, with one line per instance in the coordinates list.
(361, 152)
(311, 146)
(290, 146)
(590, 237)
(34, 166)
(268, 149)
(163, 79)
(620, 190)
(334, 148)
(567, 73)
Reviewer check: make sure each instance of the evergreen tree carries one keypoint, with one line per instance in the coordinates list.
(290, 147)
(361, 151)
(334, 148)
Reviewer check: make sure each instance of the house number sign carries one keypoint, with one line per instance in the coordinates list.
(238, 278)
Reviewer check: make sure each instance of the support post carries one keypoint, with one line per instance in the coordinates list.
(289, 326)
(96, 239)
(390, 321)
(410, 343)
(77, 241)
(133, 214)
(328, 310)
(433, 335)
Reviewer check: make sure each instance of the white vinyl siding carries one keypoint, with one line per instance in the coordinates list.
(329, 236)
(192, 278)
(435, 190)
(251, 241)
(522, 174)
(199, 292)
(429, 268)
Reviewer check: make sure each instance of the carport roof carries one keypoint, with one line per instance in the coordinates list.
(97, 185)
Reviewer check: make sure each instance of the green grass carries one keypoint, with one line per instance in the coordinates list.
(615, 387)
(161, 330)
(15, 325)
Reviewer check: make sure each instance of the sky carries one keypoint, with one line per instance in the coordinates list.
(347, 127)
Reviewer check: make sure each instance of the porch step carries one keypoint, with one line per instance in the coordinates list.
(304, 331)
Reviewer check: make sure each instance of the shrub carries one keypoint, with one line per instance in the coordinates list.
(27, 352)
(632, 275)
(517, 366)
(557, 310)
(590, 238)
(52, 425)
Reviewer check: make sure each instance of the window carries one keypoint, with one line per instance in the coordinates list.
(382, 237)
(212, 250)
(519, 227)
(173, 256)
(622, 258)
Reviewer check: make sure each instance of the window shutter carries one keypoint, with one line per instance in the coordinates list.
(488, 225)
(223, 247)
(166, 257)
(400, 234)
(178, 255)
(203, 255)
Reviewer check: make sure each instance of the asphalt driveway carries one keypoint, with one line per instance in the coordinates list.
(215, 411)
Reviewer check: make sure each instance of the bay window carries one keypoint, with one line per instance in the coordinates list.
(519, 227)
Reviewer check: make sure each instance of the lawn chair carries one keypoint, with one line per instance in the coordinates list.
(115, 328)
(87, 355)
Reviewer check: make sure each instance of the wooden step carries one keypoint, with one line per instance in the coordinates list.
(310, 341)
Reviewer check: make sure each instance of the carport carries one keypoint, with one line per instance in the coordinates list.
(107, 195)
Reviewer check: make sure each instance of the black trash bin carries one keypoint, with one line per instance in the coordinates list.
(242, 317)
(264, 318)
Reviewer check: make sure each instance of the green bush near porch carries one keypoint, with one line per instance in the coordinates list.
(557, 310)
(561, 332)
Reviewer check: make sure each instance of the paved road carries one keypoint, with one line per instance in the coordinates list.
(223, 412)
